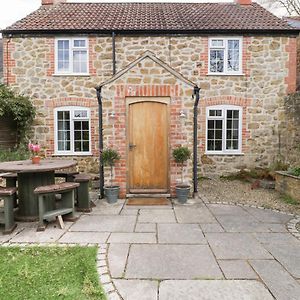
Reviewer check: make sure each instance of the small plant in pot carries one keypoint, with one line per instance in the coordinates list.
(182, 155)
(110, 157)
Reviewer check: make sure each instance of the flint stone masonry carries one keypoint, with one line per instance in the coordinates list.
(267, 77)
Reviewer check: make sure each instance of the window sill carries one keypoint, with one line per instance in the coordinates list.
(225, 74)
(71, 75)
(73, 154)
(223, 153)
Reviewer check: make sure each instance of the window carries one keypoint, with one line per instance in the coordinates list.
(224, 128)
(72, 130)
(225, 56)
(71, 56)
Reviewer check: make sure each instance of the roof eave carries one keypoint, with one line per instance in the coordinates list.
(292, 31)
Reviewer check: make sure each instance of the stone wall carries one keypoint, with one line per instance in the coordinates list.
(269, 74)
(298, 63)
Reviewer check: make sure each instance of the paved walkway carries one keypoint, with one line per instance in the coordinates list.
(197, 251)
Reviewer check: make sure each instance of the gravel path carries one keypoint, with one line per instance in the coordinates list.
(240, 192)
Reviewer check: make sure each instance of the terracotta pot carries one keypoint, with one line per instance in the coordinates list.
(36, 160)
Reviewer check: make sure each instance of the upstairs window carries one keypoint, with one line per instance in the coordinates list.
(225, 56)
(224, 129)
(71, 56)
(72, 130)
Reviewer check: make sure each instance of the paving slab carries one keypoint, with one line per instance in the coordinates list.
(268, 216)
(236, 246)
(285, 248)
(227, 210)
(84, 237)
(145, 227)
(117, 257)
(171, 262)
(104, 208)
(132, 238)
(129, 212)
(156, 216)
(180, 234)
(137, 289)
(194, 215)
(211, 227)
(278, 280)
(237, 269)
(105, 223)
(242, 224)
(213, 290)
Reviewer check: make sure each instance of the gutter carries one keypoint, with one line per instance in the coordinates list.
(195, 139)
(100, 119)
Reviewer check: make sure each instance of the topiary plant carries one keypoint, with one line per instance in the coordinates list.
(181, 155)
(110, 157)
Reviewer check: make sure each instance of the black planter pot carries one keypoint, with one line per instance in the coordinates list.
(182, 193)
(111, 193)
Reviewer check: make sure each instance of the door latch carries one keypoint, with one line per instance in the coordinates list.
(131, 146)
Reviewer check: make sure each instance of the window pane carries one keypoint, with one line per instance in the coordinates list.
(85, 146)
(235, 114)
(80, 114)
(79, 43)
(215, 112)
(218, 124)
(214, 135)
(210, 134)
(218, 134)
(217, 61)
(232, 132)
(218, 146)
(210, 145)
(63, 55)
(233, 55)
(211, 124)
(81, 136)
(80, 61)
(63, 131)
(217, 43)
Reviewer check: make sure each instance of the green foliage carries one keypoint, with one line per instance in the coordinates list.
(289, 200)
(181, 154)
(294, 171)
(19, 108)
(20, 153)
(278, 165)
(110, 157)
(49, 273)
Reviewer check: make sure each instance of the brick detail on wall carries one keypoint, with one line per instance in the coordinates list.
(225, 100)
(84, 102)
(92, 55)
(204, 57)
(8, 61)
(51, 56)
(246, 55)
(291, 79)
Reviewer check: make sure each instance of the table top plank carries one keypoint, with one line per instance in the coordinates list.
(46, 165)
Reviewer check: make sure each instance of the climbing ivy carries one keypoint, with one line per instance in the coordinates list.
(19, 108)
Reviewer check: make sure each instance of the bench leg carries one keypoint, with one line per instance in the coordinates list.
(41, 225)
(12, 182)
(67, 199)
(10, 224)
(83, 197)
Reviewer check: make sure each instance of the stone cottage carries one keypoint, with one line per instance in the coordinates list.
(148, 61)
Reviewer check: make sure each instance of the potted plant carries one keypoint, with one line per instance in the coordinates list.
(34, 149)
(110, 157)
(181, 155)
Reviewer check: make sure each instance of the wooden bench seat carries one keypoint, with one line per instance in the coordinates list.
(11, 181)
(68, 175)
(7, 194)
(67, 191)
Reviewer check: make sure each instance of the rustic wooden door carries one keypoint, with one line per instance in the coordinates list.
(148, 147)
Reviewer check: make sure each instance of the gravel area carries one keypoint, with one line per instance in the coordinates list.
(240, 192)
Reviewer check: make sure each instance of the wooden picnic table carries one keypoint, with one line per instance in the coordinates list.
(31, 176)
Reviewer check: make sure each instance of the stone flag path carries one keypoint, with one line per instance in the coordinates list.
(194, 251)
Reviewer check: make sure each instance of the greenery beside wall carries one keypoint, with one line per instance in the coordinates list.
(20, 153)
(19, 108)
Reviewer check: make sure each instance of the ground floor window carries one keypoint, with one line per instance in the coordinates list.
(72, 130)
(224, 129)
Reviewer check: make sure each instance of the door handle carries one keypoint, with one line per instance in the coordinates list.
(131, 146)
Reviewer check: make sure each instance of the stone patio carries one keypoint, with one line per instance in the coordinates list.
(193, 251)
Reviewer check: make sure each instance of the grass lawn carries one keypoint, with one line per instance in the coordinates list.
(49, 273)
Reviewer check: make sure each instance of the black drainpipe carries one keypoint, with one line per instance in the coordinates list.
(101, 169)
(114, 52)
(195, 140)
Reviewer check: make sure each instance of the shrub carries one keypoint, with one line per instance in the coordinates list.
(110, 157)
(294, 171)
(181, 155)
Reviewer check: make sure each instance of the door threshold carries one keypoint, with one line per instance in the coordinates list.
(148, 195)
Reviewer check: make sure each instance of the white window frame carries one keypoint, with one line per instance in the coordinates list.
(72, 48)
(225, 47)
(71, 109)
(224, 108)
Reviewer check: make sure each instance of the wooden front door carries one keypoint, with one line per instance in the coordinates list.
(148, 147)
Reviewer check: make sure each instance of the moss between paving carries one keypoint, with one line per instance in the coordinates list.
(49, 273)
